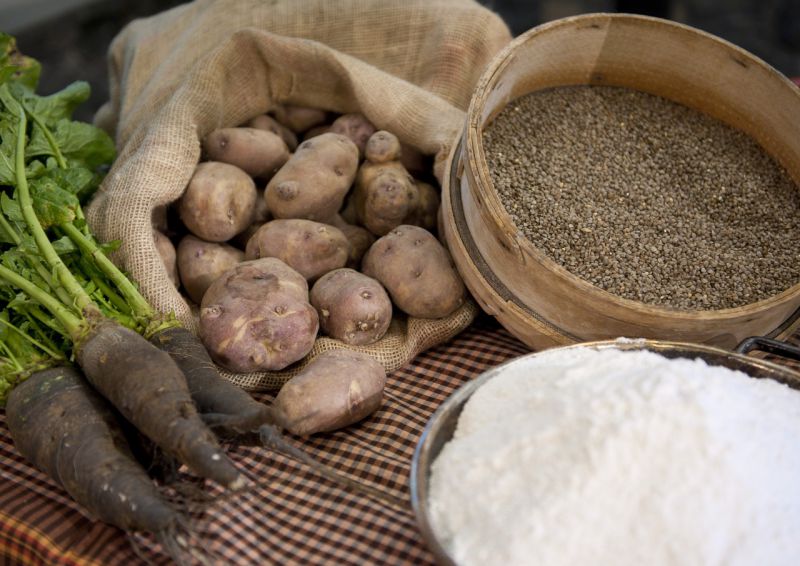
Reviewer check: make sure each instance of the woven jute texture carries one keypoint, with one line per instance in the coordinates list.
(409, 67)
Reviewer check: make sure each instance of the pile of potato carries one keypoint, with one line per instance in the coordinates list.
(296, 224)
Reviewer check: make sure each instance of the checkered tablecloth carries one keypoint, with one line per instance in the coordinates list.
(294, 515)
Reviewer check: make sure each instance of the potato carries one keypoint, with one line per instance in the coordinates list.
(299, 118)
(261, 216)
(259, 153)
(314, 182)
(348, 211)
(427, 209)
(356, 127)
(360, 240)
(336, 389)
(260, 211)
(316, 131)
(218, 203)
(352, 307)
(383, 147)
(386, 147)
(256, 316)
(201, 262)
(240, 240)
(270, 124)
(166, 250)
(417, 271)
(312, 248)
(159, 218)
(415, 162)
(385, 195)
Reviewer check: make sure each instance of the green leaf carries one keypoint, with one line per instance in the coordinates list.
(86, 145)
(6, 231)
(53, 205)
(11, 104)
(109, 247)
(6, 46)
(11, 209)
(35, 169)
(4, 330)
(8, 228)
(76, 180)
(65, 246)
(23, 260)
(57, 106)
(5, 238)
(27, 70)
(16, 67)
(17, 261)
(8, 150)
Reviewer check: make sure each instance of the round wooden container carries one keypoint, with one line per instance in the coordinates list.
(531, 295)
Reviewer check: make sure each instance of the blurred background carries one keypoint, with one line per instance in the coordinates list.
(70, 37)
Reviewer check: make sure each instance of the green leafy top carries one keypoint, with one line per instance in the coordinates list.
(61, 166)
(15, 66)
(54, 140)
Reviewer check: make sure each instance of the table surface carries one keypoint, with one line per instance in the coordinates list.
(291, 515)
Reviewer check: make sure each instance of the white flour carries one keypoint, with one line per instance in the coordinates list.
(622, 458)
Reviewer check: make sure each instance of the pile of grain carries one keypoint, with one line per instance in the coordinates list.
(646, 198)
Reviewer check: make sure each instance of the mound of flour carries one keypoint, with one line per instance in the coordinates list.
(587, 457)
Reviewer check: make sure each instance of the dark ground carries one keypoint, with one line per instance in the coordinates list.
(74, 46)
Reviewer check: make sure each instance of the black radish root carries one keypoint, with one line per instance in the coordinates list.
(226, 408)
(232, 412)
(148, 388)
(66, 430)
(161, 467)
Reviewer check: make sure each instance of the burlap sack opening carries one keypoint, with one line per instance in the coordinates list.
(409, 67)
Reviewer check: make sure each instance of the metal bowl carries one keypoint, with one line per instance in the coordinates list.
(442, 424)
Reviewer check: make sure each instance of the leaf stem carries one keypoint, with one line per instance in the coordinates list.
(35, 262)
(91, 271)
(72, 323)
(62, 164)
(82, 301)
(31, 339)
(12, 359)
(48, 321)
(140, 307)
(44, 273)
(37, 328)
(6, 227)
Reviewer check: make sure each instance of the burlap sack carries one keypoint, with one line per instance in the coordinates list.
(410, 67)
